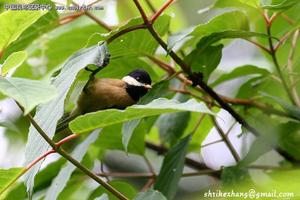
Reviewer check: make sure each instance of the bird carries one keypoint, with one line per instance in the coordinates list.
(107, 93)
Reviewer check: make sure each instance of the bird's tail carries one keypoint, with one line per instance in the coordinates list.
(63, 123)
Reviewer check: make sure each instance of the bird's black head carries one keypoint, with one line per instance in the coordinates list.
(138, 83)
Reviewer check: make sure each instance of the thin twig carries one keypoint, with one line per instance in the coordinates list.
(211, 143)
(150, 167)
(287, 18)
(159, 149)
(226, 140)
(150, 5)
(70, 18)
(259, 45)
(98, 21)
(124, 31)
(274, 58)
(198, 123)
(290, 68)
(282, 40)
(149, 183)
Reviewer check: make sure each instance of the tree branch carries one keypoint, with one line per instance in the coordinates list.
(196, 79)
(71, 159)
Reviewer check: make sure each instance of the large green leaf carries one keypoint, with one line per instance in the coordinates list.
(278, 4)
(171, 126)
(206, 41)
(13, 61)
(289, 138)
(14, 23)
(229, 21)
(264, 143)
(291, 109)
(60, 181)
(204, 60)
(172, 168)
(42, 25)
(7, 177)
(240, 72)
(111, 138)
(109, 117)
(127, 131)
(29, 93)
(138, 42)
(150, 195)
(48, 114)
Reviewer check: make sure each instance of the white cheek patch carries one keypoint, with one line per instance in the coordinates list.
(131, 81)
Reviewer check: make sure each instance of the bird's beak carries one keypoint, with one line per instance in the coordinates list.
(147, 86)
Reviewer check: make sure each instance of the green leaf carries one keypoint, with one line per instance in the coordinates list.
(44, 178)
(245, 4)
(8, 177)
(278, 4)
(172, 168)
(206, 41)
(79, 34)
(60, 181)
(128, 190)
(204, 60)
(229, 21)
(45, 23)
(13, 61)
(171, 126)
(48, 114)
(109, 141)
(150, 194)
(292, 110)
(29, 93)
(264, 143)
(14, 23)
(232, 177)
(127, 131)
(290, 138)
(158, 90)
(139, 42)
(91, 121)
(239, 72)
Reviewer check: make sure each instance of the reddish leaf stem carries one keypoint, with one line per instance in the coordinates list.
(158, 13)
(66, 139)
(70, 18)
(38, 159)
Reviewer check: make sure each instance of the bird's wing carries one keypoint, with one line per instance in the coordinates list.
(103, 94)
(63, 122)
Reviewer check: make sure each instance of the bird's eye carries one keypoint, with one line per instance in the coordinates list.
(138, 78)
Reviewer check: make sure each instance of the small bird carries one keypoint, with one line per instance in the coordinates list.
(105, 93)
